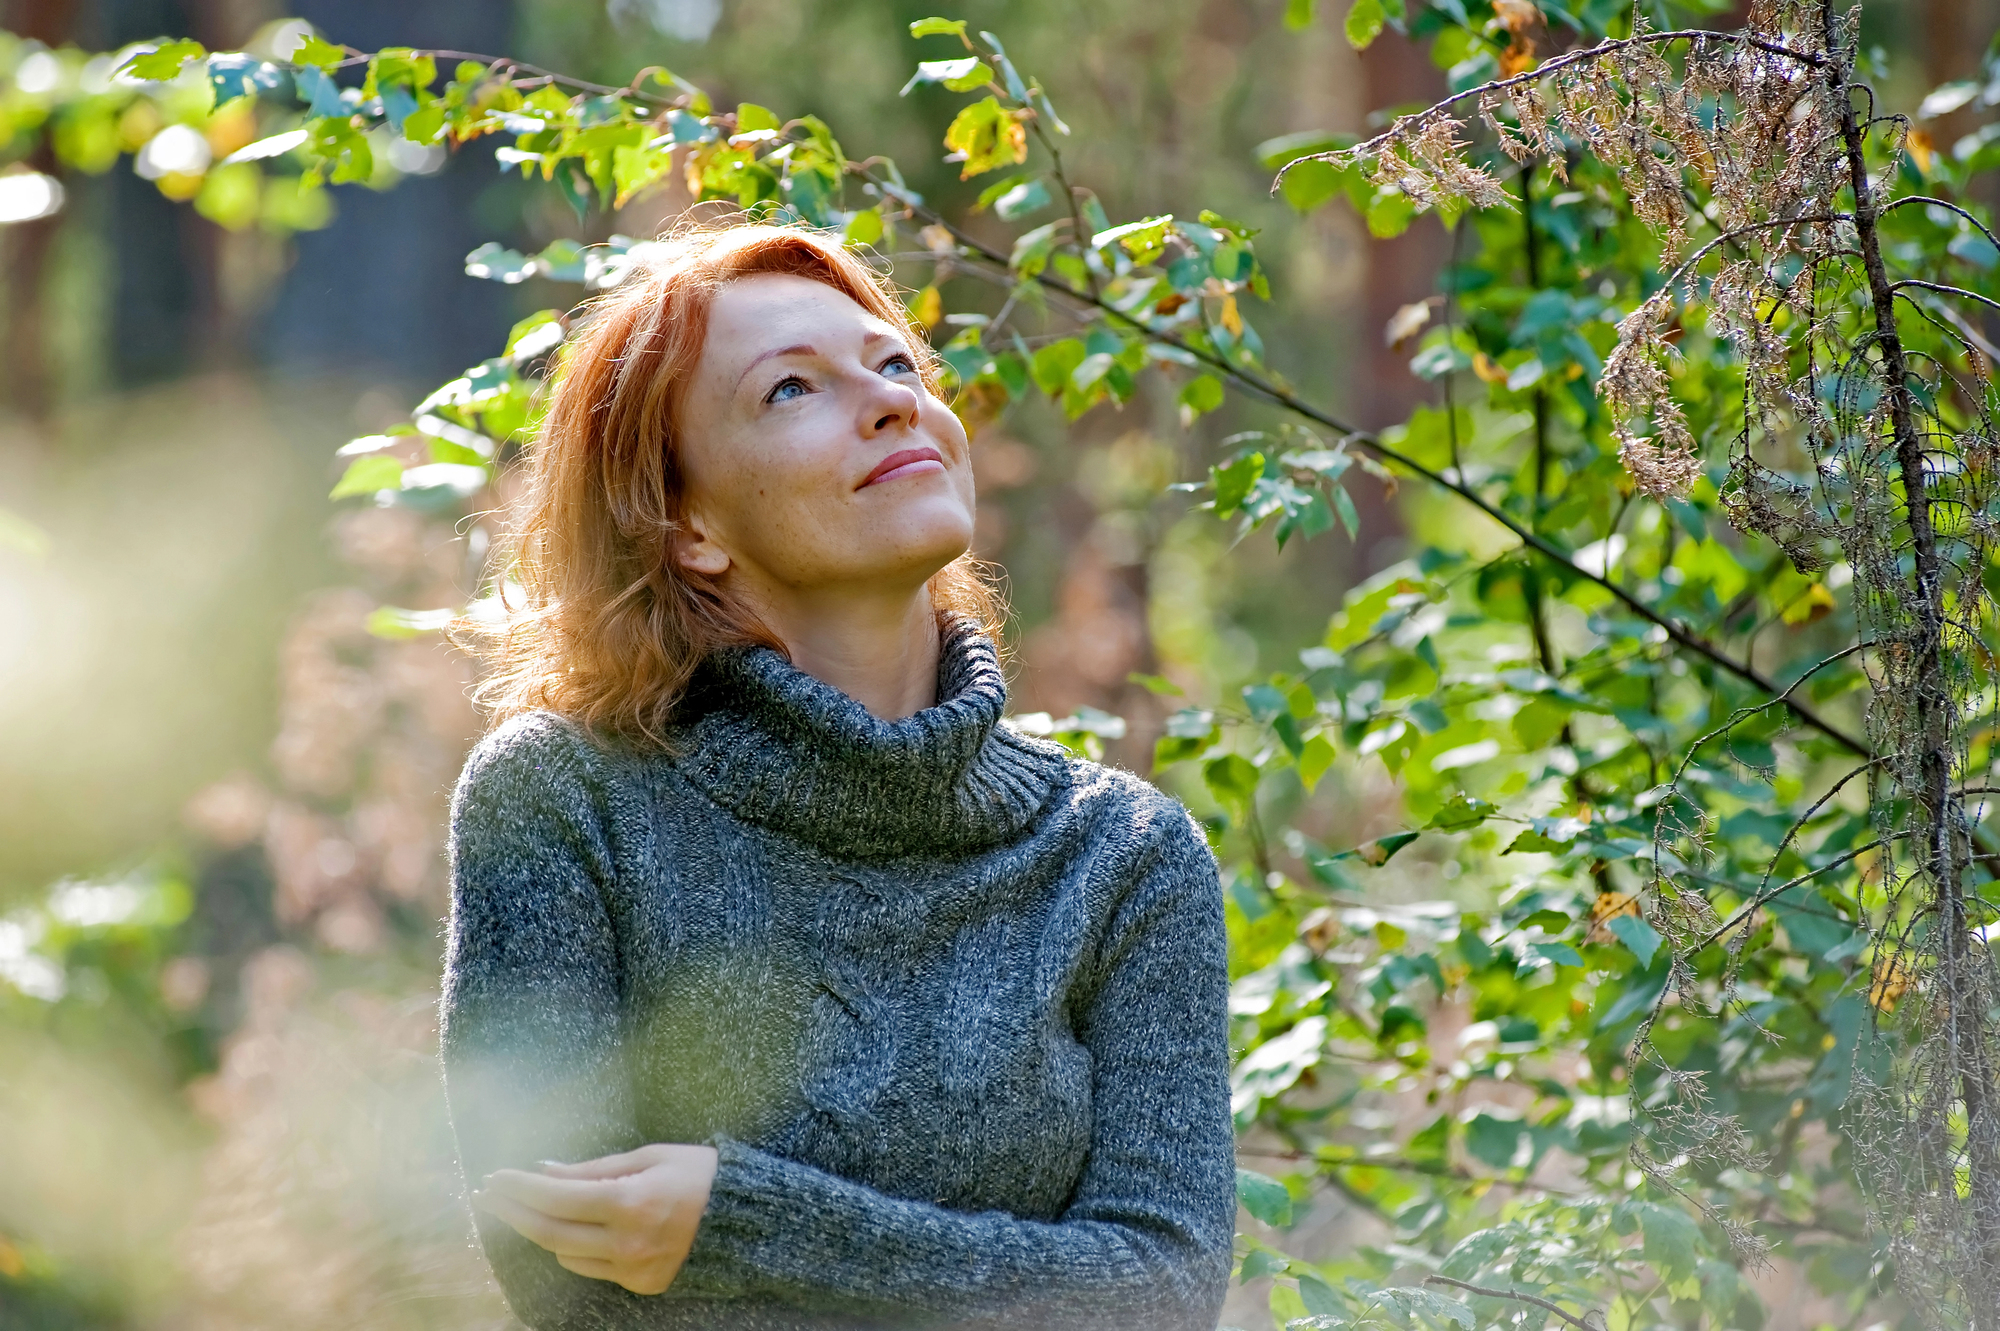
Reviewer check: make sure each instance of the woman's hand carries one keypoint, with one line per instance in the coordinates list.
(629, 1218)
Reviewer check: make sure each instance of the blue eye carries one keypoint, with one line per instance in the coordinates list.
(909, 366)
(786, 390)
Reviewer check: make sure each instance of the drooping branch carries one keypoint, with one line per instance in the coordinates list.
(1583, 56)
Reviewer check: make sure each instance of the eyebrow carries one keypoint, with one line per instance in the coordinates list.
(806, 349)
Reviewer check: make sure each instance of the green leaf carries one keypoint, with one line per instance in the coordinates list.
(164, 61)
(863, 228)
(389, 621)
(1144, 240)
(1029, 196)
(1389, 212)
(1412, 1303)
(1053, 364)
(1672, 1239)
(1264, 1197)
(1460, 812)
(1494, 1141)
(1286, 148)
(1200, 395)
(235, 74)
(1232, 779)
(1314, 760)
(1946, 98)
(498, 263)
(1299, 14)
(366, 475)
(1343, 508)
(634, 170)
(1637, 934)
(1379, 851)
(939, 27)
(1319, 1298)
(1260, 1262)
(1309, 184)
(1364, 23)
(1232, 481)
(539, 333)
(751, 117)
(316, 51)
(1562, 954)
(957, 75)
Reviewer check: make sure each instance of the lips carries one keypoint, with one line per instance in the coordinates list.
(904, 462)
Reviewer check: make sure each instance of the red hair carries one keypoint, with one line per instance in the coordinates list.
(604, 625)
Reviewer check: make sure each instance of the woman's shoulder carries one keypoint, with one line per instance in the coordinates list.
(1115, 802)
(540, 749)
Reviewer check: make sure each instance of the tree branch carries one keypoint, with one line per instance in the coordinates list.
(1576, 1322)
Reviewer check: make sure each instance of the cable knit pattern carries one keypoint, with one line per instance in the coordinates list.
(949, 1003)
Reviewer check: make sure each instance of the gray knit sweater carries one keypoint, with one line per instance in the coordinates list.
(949, 1003)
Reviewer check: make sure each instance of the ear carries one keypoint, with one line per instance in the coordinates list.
(697, 551)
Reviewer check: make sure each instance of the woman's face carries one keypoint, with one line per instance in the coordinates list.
(814, 460)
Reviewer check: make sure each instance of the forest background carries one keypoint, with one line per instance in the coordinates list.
(223, 772)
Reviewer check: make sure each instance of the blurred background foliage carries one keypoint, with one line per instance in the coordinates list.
(223, 769)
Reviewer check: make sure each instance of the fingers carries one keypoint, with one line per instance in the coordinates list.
(605, 1166)
(594, 1267)
(588, 1200)
(565, 1238)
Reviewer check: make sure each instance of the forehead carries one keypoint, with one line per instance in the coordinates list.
(753, 314)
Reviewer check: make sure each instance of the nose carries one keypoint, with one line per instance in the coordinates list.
(889, 405)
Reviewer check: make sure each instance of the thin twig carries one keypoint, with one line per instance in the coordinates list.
(1703, 252)
(1943, 289)
(1888, 208)
(1755, 903)
(1576, 1322)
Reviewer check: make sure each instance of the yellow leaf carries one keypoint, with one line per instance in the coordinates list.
(1810, 605)
(927, 307)
(1488, 369)
(986, 135)
(1888, 981)
(1231, 319)
(1921, 147)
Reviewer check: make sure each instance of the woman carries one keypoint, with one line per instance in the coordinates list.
(785, 987)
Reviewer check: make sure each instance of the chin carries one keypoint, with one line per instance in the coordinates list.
(922, 543)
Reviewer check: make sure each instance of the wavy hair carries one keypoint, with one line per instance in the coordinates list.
(599, 622)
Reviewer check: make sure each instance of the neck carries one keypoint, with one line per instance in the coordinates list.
(880, 651)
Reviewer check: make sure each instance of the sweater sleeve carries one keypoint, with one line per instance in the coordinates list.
(1145, 1241)
(532, 1033)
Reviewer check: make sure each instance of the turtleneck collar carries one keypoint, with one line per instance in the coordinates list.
(783, 750)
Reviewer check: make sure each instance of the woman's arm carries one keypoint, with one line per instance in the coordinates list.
(1144, 1243)
(1146, 1239)
(534, 1066)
